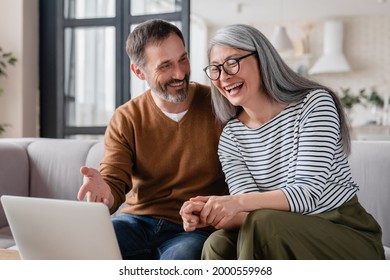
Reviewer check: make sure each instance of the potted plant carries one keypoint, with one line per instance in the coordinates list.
(6, 58)
(374, 99)
(348, 99)
(369, 99)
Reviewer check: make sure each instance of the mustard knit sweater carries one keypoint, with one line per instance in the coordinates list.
(162, 162)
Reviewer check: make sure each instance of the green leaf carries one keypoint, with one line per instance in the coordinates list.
(2, 129)
(6, 58)
(348, 100)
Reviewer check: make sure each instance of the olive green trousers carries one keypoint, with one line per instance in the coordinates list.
(347, 232)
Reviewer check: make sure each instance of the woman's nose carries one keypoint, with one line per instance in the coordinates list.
(224, 75)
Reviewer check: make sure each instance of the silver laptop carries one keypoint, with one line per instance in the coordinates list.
(52, 229)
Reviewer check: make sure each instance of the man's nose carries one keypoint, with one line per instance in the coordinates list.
(179, 72)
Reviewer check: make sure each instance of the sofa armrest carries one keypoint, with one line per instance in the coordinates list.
(14, 173)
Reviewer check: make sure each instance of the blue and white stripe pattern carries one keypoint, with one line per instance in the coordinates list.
(299, 152)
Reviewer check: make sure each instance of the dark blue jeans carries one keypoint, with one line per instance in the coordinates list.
(142, 237)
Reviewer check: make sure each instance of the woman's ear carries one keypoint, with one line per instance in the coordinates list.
(137, 71)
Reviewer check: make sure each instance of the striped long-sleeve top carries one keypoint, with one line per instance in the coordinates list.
(299, 152)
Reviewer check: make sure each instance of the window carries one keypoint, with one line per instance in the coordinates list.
(84, 68)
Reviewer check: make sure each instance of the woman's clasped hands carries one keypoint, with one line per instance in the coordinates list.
(217, 211)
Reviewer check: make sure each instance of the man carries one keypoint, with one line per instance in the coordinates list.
(161, 146)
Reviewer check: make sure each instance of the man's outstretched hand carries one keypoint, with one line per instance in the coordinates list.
(94, 187)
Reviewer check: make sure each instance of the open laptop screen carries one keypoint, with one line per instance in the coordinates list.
(48, 229)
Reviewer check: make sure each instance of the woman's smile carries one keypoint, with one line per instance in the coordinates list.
(234, 88)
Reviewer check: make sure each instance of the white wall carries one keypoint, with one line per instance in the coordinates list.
(367, 48)
(198, 49)
(19, 35)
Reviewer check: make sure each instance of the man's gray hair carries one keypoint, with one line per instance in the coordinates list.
(152, 31)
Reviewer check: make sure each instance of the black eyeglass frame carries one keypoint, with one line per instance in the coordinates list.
(219, 66)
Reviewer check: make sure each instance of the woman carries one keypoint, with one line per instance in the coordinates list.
(284, 154)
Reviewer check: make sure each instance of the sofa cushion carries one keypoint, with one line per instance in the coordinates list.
(55, 167)
(95, 154)
(370, 166)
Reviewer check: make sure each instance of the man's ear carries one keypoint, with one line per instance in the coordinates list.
(137, 71)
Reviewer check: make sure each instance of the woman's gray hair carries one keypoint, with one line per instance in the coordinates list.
(280, 82)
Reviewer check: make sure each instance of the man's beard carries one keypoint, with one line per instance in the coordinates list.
(181, 95)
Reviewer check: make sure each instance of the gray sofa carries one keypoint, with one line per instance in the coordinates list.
(49, 168)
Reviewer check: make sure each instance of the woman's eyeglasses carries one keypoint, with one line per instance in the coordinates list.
(230, 66)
